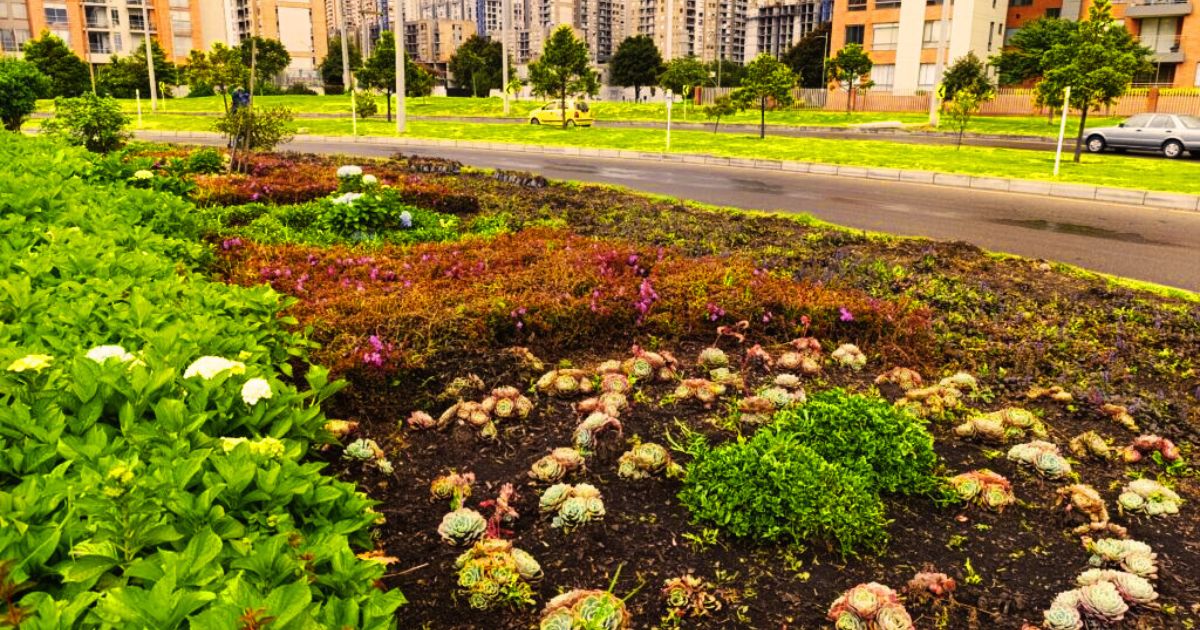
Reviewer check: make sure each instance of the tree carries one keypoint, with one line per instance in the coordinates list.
(725, 73)
(1021, 59)
(21, 83)
(563, 69)
(851, 69)
(963, 106)
(123, 76)
(766, 78)
(94, 122)
(967, 73)
(270, 57)
(637, 62)
(807, 57)
(68, 73)
(220, 68)
(478, 63)
(379, 72)
(331, 66)
(722, 106)
(1097, 62)
(682, 74)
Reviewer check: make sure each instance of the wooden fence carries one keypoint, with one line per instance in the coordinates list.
(1008, 101)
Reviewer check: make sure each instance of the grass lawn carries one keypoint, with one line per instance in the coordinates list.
(651, 112)
(1108, 170)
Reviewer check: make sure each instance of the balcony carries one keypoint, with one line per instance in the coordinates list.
(1157, 8)
(1166, 48)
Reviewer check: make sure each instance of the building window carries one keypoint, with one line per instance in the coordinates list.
(883, 36)
(990, 35)
(1053, 13)
(857, 5)
(929, 38)
(886, 4)
(1020, 3)
(56, 16)
(18, 11)
(182, 46)
(3, 10)
(179, 4)
(855, 33)
(8, 40)
(884, 76)
(927, 76)
(99, 43)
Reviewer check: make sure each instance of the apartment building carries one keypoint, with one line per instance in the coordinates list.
(902, 36)
(705, 29)
(774, 26)
(300, 25)
(434, 41)
(98, 29)
(14, 26)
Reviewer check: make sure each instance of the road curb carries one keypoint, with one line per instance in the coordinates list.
(1127, 196)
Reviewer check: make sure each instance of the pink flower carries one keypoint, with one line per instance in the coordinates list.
(847, 316)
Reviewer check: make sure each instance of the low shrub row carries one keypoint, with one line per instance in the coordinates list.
(152, 443)
(548, 288)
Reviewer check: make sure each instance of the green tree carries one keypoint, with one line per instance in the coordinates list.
(766, 78)
(1021, 59)
(379, 72)
(270, 58)
(807, 57)
(851, 69)
(563, 69)
(963, 106)
(725, 73)
(331, 66)
(94, 122)
(21, 83)
(478, 63)
(637, 62)
(967, 73)
(722, 106)
(68, 73)
(123, 76)
(220, 68)
(682, 75)
(1097, 62)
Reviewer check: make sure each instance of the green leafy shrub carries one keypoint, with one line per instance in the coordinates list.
(96, 123)
(20, 85)
(258, 128)
(888, 446)
(772, 487)
(364, 104)
(205, 161)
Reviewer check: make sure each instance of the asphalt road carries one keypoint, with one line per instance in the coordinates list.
(1155, 245)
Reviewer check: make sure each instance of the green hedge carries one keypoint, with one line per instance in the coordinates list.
(133, 495)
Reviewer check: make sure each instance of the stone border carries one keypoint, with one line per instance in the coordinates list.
(1042, 188)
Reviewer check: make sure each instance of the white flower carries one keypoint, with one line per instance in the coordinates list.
(100, 354)
(255, 390)
(34, 362)
(370, 180)
(349, 170)
(230, 443)
(347, 198)
(143, 174)
(210, 366)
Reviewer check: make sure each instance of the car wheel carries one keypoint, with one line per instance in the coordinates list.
(570, 123)
(534, 121)
(1172, 149)
(1095, 144)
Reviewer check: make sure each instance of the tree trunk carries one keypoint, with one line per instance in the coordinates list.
(762, 117)
(389, 105)
(225, 98)
(849, 99)
(1082, 123)
(637, 93)
(562, 106)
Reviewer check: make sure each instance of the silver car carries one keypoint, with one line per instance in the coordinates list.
(1171, 134)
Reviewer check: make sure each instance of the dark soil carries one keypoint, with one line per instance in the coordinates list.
(1011, 322)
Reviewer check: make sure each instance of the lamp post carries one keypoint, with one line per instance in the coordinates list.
(149, 57)
(401, 66)
(943, 28)
(505, 21)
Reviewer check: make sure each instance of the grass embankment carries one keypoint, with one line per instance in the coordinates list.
(1104, 170)
(643, 112)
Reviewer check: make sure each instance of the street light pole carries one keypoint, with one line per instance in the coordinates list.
(150, 57)
(943, 35)
(670, 29)
(505, 20)
(401, 66)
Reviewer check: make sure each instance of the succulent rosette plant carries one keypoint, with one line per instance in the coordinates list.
(645, 460)
(757, 357)
(931, 584)
(699, 389)
(565, 382)
(462, 527)
(848, 355)
(363, 450)
(789, 382)
(494, 573)
(1044, 457)
(1132, 556)
(1086, 500)
(960, 381)
(455, 487)
(609, 403)
(1146, 444)
(712, 358)
(689, 596)
(649, 366)
(420, 420)
(1062, 618)
(1002, 425)
(507, 402)
(572, 506)
(614, 383)
(871, 605)
(1120, 415)
(462, 387)
(904, 378)
(1149, 497)
(756, 409)
(1054, 392)
(1102, 602)
(558, 464)
(933, 401)
(586, 432)
(984, 488)
(1134, 589)
(586, 610)
(1089, 444)
(341, 428)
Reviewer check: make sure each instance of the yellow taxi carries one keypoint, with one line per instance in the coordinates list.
(551, 114)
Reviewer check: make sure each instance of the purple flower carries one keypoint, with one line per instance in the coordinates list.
(715, 312)
(847, 316)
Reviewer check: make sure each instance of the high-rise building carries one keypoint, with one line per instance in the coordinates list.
(15, 29)
(98, 29)
(902, 36)
(777, 25)
(300, 25)
(705, 29)
(433, 41)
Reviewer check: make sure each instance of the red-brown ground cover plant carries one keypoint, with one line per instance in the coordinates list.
(395, 308)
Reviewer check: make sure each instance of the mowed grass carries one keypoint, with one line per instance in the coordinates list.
(606, 110)
(1122, 171)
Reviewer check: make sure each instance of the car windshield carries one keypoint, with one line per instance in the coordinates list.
(583, 107)
(1191, 122)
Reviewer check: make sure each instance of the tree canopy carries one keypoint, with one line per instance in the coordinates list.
(766, 78)
(220, 68)
(21, 83)
(331, 65)
(967, 73)
(123, 76)
(1021, 59)
(478, 64)
(682, 75)
(379, 71)
(563, 69)
(851, 69)
(807, 57)
(725, 72)
(270, 57)
(68, 73)
(636, 63)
